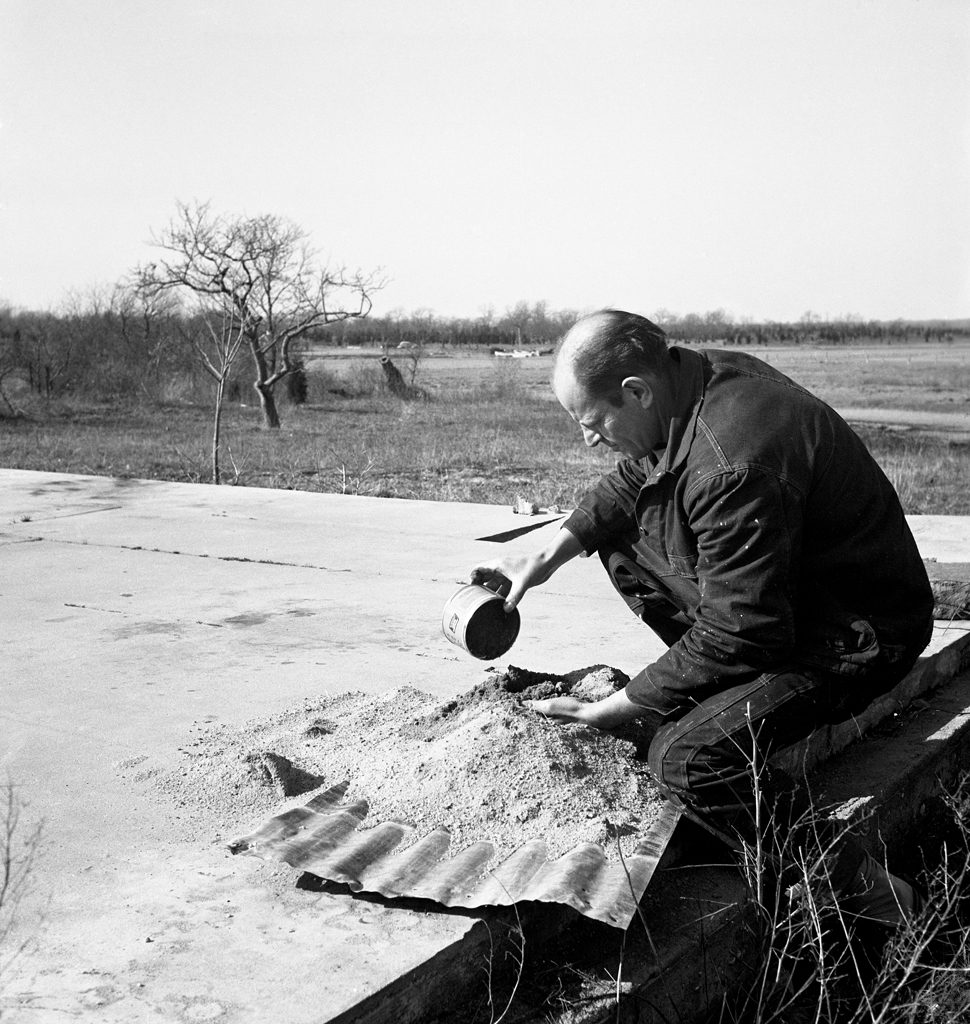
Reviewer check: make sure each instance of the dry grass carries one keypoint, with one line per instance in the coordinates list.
(486, 431)
(481, 448)
(19, 847)
(813, 963)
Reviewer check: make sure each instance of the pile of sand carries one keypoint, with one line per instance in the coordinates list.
(482, 765)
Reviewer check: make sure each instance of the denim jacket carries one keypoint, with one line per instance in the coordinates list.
(769, 527)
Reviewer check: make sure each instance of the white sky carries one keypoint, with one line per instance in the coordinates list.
(764, 156)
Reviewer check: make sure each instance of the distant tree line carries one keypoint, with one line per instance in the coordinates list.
(535, 326)
(520, 325)
(131, 341)
(102, 345)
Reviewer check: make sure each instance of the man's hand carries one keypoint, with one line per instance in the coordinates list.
(512, 576)
(561, 709)
(607, 713)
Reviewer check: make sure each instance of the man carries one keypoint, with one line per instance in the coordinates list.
(750, 528)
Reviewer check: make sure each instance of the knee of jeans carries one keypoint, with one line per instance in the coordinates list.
(668, 760)
(685, 765)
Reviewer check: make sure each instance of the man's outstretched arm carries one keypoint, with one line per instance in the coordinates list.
(607, 713)
(514, 575)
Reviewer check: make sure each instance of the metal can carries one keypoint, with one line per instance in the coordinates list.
(475, 619)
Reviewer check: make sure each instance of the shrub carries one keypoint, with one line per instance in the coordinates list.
(296, 383)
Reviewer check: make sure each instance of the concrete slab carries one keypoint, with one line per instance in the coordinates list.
(132, 610)
(943, 538)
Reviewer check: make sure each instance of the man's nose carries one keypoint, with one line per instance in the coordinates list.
(591, 438)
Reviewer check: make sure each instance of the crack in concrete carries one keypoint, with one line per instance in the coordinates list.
(68, 515)
(185, 554)
(127, 614)
(94, 608)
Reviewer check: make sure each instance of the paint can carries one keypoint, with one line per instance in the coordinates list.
(475, 619)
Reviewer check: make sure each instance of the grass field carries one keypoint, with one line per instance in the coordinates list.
(486, 430)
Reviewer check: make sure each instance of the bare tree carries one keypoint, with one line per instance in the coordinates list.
(213, 331)
(259, 276)
(45, 349)
(9, 356)
(147, 325)
(217, 338)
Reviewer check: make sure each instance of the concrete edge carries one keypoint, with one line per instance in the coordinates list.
(434, 984)
(928, 674)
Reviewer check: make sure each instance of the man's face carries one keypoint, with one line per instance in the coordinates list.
(630, 428)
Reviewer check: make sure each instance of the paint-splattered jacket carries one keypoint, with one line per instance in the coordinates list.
(768, 524)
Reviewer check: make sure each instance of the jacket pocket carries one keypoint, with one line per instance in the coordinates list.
(684, 565)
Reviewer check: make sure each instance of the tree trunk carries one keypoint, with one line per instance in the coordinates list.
(216, 429)
(271, 418)
(395, 382)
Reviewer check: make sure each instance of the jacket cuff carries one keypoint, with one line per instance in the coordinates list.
(580, 524)
(643, 692)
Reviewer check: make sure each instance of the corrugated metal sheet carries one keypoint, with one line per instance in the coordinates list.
(324, 838)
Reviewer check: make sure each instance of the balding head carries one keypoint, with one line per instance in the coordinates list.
(601, 350)
(615, 378)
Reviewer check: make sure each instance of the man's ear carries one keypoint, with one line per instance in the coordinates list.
(640, 390)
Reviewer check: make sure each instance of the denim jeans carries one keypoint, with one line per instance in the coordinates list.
(704, 759)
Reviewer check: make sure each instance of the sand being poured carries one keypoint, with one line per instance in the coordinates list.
(483, 765)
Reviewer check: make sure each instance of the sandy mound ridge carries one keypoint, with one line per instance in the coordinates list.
(482, 765)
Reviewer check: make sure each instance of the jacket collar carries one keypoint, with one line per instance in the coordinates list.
(690, 379)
